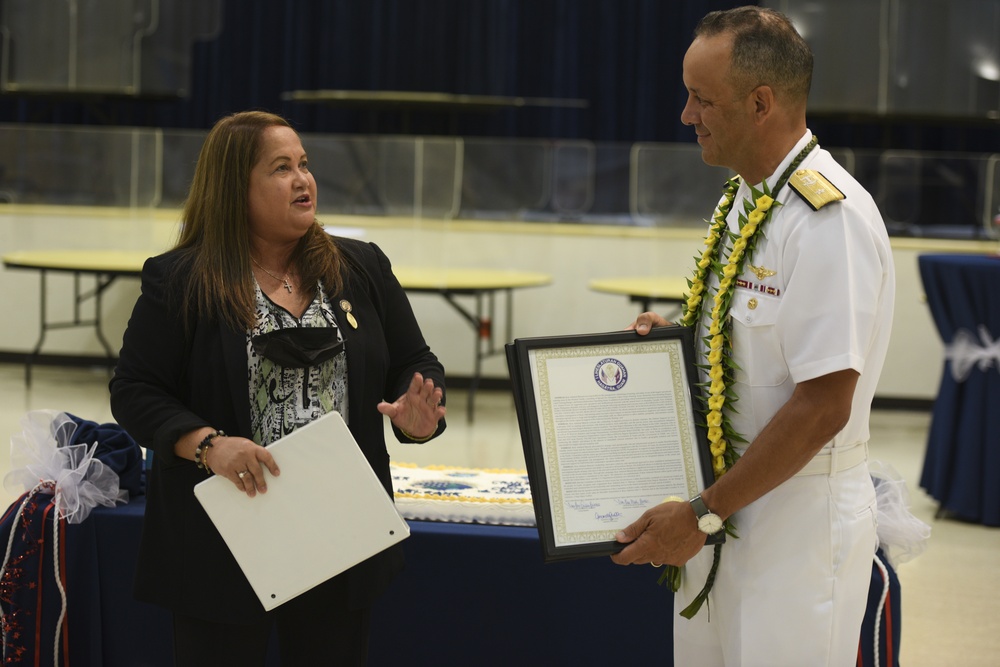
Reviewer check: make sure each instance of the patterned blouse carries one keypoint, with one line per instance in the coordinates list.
(282, 399)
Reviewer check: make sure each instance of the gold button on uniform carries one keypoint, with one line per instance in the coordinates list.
(752, 303)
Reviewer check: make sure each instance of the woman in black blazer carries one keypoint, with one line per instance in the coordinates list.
(203, 382)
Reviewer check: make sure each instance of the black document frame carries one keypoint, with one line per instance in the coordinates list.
(519, 360)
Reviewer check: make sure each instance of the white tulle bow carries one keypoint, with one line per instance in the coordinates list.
(965, 352)
(901, 535)
(43, 453)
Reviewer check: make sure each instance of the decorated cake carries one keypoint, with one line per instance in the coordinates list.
(463, 495)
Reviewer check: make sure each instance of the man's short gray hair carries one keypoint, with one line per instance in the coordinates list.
(767, 50)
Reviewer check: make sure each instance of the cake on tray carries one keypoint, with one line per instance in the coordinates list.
(463, 495)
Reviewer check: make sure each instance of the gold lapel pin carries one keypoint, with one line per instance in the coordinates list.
(761, 272)
(345, 306)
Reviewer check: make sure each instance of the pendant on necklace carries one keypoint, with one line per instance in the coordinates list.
(284, 280)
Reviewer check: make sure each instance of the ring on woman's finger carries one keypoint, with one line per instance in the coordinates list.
(242, 474)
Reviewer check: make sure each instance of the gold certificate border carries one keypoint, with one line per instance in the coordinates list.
(673, 349)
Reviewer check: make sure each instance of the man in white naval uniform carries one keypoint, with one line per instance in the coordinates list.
(810, 317)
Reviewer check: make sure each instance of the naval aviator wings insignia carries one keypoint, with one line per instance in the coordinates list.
(813, 187)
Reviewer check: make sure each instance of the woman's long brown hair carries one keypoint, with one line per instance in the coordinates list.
(214, 239)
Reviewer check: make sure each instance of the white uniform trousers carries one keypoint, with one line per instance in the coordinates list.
(792, 590)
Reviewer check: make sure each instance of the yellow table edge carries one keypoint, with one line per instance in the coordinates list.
(467, 279)
(131, 261)
(666, 287)
(96, 261)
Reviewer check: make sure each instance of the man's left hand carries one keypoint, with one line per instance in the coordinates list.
(664, 535)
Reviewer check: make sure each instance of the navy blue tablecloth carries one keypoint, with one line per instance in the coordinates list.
(962, 465)
(471, 594)
(481, 595)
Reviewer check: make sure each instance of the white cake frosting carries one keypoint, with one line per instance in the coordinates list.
(463, 495)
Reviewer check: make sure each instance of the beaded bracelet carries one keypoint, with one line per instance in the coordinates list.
(201, 451)
(415, 438)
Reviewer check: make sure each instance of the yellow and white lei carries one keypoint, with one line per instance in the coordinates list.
(757, 210)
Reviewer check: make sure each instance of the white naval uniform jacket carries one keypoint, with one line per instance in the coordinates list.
(816, 297)
(820, 300)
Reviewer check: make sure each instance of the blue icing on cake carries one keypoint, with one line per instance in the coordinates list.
(467, 495)
(440, 485)
(513, 488)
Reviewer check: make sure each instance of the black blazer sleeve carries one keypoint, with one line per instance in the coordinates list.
(405, 352)
(148, 396)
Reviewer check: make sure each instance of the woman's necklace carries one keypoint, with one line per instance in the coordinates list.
(287, 285)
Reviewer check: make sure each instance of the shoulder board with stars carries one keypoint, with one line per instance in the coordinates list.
(814, 189)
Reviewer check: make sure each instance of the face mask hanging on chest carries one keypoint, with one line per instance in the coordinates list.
(298, 347)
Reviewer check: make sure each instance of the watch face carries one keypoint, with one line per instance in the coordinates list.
(710, 523)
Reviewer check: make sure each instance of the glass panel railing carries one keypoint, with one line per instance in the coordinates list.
(420, 177)
(941, 195)
(672, 185)
(944, 195)
(398, 176)
(991, 199)
(79, 166)
(115, 47)
(573, 167)
(506, 178)
(180, 155)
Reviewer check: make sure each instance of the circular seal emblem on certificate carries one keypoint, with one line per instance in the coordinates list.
(610, 374)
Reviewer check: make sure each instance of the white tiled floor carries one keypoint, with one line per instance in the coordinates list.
(951, 608)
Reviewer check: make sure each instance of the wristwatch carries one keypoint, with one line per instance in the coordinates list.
(708, 522)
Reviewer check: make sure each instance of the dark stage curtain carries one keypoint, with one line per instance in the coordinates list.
(622, 56)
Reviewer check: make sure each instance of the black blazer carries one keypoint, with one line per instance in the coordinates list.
(169, 382)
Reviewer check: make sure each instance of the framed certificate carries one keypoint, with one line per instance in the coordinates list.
(610, 427)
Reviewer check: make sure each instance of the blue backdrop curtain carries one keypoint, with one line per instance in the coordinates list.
(622, 56)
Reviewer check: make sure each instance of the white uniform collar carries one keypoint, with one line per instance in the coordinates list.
(744, 190)
(796, 149)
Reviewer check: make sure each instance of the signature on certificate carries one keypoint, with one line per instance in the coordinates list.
(583, 505)
(632, 502)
